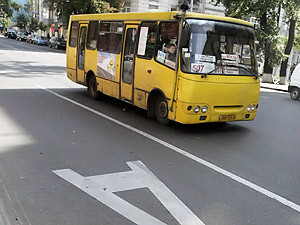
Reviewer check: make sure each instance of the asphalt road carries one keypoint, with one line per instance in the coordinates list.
(213, 174)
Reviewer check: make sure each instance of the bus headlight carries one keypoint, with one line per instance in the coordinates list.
(249, 108)
(197, 109)
(253, 108)
(204, 109)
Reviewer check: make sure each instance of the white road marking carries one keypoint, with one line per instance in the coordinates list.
(1, 220)
(102, 188)
(238, 179)
(262, 89)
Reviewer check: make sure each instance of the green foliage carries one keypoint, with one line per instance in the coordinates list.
(28, 7)
(277, 50)
(33, 24)
(65, 8)
(42, 26)
(117, 4)
(7, 8)
(102, 7)
(16, 6)
(244, 8)
(297, 38)
(292, 9)
(22, 21)
(267, 30)
(6, 22)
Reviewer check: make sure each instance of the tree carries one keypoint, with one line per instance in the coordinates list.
(7, 8)
(28, 7)
(297, 38)
(65, 8)
(5, 22)
(292, 8)
(117, 4)
(33, 24)
(267, 32)
(22, 21)
(42, 26)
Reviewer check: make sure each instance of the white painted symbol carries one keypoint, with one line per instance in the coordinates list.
(102, 187)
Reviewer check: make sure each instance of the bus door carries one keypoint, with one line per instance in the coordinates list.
(128, 59)
(81, 53)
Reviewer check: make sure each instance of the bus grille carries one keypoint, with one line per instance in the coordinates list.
(228, 108)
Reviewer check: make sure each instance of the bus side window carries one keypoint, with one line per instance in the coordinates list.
(74, 34)
(92, 37)
(166, 44)
(110, 37)
(147, 39)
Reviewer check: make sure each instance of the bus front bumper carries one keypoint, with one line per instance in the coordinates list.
(185, 114)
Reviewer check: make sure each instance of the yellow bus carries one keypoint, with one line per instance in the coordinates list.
(185, 67)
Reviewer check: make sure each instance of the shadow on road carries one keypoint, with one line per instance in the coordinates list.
(23, 69)
(130, 114)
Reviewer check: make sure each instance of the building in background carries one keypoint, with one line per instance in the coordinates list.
(58, 27)
(55, 26)
(150, 5)
(200, 6)
(208, 7)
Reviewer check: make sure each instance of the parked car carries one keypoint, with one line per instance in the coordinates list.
(11, 34)
(57, 42)
(38, 40)
(29, 38)
(21, 36)
(294, 87)
(33, 40)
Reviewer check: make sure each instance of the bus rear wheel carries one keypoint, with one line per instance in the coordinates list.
(162, 111)
(93, 89)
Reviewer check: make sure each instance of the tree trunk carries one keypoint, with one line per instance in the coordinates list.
(288, 47)
(267, 67)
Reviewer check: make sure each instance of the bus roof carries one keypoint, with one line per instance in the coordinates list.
(154, 16)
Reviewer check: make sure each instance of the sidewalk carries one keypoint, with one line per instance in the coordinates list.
(277, 87)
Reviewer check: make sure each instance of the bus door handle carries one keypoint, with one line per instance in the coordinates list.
(149, 71)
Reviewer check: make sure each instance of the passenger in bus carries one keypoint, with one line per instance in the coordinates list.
(216, 51)
(170, 50)
(150, 46)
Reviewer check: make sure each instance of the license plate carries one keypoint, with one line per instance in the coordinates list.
(226, 117)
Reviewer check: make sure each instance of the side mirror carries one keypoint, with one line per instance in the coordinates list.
(185, 38)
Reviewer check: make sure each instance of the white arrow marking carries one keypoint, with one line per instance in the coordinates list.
(102, 187)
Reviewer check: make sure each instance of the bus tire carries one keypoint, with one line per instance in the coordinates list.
(295, 93)
(161, 110)
(93, 89)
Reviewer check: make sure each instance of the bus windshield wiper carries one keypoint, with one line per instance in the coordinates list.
(245, 68)
(205, 74)
(235, 66)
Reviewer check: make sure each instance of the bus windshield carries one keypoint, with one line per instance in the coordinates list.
(216, 47)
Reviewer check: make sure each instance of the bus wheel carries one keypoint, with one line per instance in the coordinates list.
(295, 93)
(93, 89)
(161, 111)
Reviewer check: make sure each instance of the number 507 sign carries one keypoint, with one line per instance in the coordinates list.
(202, 67)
